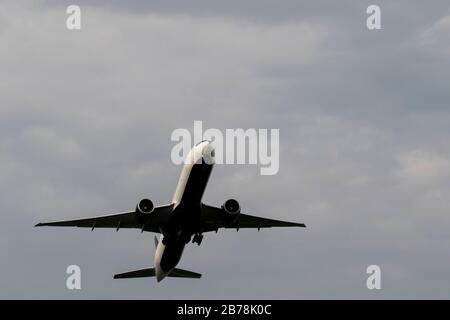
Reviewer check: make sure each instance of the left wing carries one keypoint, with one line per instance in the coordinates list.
(215, 218)
(118, 221)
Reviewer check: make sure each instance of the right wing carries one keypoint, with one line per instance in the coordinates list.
(118, 221)
(215, 218)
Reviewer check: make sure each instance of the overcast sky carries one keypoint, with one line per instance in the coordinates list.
(364, 118)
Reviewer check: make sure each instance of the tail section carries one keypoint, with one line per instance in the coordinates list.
(150, 272)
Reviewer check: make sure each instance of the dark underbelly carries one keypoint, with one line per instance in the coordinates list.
(172, 254)
(196, 185)
(186, 217)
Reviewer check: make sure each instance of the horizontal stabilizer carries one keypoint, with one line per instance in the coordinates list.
(180, 273)
(150, 272)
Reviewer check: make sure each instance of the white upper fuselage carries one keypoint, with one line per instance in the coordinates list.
(202, 150)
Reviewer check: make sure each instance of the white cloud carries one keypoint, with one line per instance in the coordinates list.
(423, 167)
(46, 143)
(438, 34)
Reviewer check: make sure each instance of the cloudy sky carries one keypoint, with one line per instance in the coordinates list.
(86, 118)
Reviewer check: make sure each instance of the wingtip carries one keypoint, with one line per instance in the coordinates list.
(39, 225)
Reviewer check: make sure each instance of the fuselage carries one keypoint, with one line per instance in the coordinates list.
(186, 212)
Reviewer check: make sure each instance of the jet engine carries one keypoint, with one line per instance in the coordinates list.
(231, 207)
(145, 206)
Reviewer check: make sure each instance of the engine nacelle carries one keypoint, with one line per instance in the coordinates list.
(145, 206)
(231, 207)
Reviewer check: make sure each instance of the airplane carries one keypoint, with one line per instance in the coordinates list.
(185, 218)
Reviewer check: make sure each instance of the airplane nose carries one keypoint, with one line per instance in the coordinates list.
(209, 153)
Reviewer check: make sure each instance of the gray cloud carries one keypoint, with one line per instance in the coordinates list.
(86, 118)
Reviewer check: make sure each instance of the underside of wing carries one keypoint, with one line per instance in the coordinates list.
(247, 221)
(122, 220)
(150, 222)
(215, 218)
